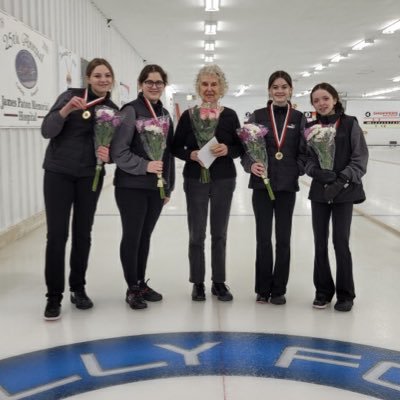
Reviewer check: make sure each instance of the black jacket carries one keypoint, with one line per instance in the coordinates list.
(129, 155)
(185, 142)
(71, 149)
(284, 173)
(351, 158)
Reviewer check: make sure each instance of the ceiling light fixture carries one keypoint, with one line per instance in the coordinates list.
(362, 44)
(338, 57)
(303, 93)
(320, 67)
(242, 89)
(212, 5)
(305, 74)
(209, 59)
(210, 28)
(379, 92)
(209, 45)
(392, 28)
(396, 79)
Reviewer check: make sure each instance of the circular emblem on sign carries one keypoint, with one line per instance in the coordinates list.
(26, 68)
(367, 114)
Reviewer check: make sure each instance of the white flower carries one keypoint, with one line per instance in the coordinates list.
(154, 129)
(253, 129)
(319, 132)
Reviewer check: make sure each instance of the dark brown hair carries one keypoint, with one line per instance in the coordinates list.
(144, 74)
(95, 63)
(280, 74)
(332, 91)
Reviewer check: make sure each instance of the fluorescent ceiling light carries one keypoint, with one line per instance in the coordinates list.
(209, 45)
(396, 79)
(383, 91)
(212, 5)
(320, 67)
(392, 28)
(362, 44)
(305, 74)
(210, 28)
(338, 57)
(242, 89)
(303, 93)
(209, 59)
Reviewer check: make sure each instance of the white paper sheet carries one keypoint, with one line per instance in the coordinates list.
(205, 155)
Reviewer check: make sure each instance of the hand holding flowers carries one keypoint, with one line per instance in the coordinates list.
(252, 137)
(106, 122)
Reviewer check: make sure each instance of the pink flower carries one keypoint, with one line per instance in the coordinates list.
(209, 113)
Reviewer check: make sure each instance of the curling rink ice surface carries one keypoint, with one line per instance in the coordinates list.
(180, 349)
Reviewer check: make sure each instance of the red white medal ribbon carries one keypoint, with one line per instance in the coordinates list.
(93, 102)
(279, 141)
(150, 108)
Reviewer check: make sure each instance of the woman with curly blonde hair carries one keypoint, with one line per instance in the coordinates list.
(212, 186)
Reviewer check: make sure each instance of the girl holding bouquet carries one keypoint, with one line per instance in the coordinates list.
(144, 178)
(70, 164)
(212, 186)
(334, 190)
(286, 156)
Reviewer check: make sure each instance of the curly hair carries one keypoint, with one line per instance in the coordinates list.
(214, 70)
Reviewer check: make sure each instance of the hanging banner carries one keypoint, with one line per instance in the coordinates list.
(69, 67)
(26, 81)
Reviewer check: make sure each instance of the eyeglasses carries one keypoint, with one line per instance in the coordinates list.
(158, 84)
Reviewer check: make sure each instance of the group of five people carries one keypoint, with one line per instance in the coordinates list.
(69, 169)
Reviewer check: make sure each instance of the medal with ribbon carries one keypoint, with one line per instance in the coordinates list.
(279, 140)
(87, 114)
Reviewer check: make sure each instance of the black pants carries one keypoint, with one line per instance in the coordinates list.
(61, 194)
(271, 279)
(139, 210)
(198, 195)
(341, 222)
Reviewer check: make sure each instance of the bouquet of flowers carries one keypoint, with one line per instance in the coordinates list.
(204, 121)
(153, 134)
(252, 137)
(106, 121)
(322, 140)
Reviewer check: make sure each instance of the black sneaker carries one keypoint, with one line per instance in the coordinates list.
(81, 300)
(148, 293)
(320, 302)
(344, 305)
(262, 299)
(278, 300)
(221, 291)
(134, 298)
(52, 311)
(198, 293)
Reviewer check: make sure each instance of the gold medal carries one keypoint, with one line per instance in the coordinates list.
(86, 114)
(279, 155)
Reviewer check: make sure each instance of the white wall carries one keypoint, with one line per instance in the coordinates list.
(80, 27)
